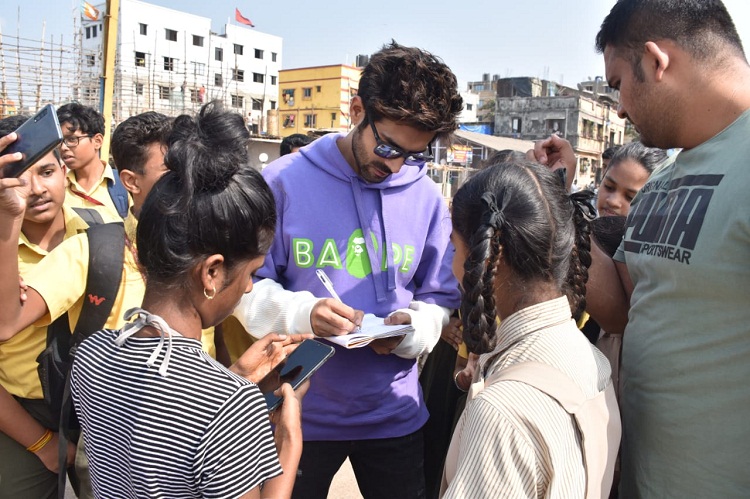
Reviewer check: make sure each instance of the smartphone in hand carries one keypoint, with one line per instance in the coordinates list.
(295, 369)
(36, 137)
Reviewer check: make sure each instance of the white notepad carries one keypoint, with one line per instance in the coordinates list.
(372, 328)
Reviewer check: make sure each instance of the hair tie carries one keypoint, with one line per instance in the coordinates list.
(495, 216)
(583, 202)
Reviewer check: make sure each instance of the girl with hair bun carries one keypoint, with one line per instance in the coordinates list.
(522, 254)
(160, 417)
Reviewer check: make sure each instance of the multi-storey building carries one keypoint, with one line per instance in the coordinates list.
(533, 109)
(170, 61)
(486, 89)
(470, 107)
(316, 98)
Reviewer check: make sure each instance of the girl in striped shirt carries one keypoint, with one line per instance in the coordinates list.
(160, 417)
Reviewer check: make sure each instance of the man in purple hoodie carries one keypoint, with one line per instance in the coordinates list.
(361, 207)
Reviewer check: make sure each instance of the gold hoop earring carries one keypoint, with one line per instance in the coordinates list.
(212, 295)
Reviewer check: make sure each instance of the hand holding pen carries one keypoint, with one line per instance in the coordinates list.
(331, 316)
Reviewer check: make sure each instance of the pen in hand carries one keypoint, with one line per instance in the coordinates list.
(329, 287)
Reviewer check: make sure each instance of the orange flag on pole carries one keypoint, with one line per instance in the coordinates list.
(242, 19)
(90, 11)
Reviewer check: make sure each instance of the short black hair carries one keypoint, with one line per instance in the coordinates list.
(410, 86)
(610, 152)
(695, 25)
(83, 118)
(210, 201)
(132, 137)
(11, 123)
(294, 140)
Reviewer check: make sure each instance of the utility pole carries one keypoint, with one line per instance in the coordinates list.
(111, 21)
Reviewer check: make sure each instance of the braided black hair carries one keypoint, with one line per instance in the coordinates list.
(521, 211)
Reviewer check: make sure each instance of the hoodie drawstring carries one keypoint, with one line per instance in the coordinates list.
(372, 254)
(390, 267)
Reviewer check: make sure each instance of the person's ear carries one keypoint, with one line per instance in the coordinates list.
(97, 140)
(130, 181)
(657, 59)
(212, 275)
(357, 110)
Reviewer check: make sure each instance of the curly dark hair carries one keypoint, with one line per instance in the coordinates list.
(520, 210)
(411, 86)
(132, 137)
(84, 118)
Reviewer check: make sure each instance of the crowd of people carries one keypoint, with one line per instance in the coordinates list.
(599, 339)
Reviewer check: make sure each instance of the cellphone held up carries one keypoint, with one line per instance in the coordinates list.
(36, 137)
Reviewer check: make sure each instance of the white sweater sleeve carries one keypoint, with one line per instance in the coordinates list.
(428, 321)
(269, 308)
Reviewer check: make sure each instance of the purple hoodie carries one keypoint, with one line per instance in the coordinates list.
(328, 217)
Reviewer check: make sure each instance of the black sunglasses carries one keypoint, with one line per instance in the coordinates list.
(387, 151)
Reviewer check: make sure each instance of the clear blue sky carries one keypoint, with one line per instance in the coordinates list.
(506, 37)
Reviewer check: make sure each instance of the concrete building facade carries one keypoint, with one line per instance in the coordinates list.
(172, 62)
(470, 108)
(486, 89)
(533, 109)
(316, 98)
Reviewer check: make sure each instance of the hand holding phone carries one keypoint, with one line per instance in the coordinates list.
(295, 369)
(12, 191)
(36, 137)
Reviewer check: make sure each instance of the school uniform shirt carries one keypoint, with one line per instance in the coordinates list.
(514, 440)
(60, 278)
(199, 430)
(18, 366)
(76, 196)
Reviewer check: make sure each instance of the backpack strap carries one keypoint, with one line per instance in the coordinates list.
(106, 252)
(118, 194)
(59, 337)
(597, 418)
(89, 215)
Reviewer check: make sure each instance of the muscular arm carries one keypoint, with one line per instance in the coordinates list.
(608, 291)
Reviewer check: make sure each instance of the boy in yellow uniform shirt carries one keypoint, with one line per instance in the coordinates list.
(91, 180)
(46, 223)
(57, 285)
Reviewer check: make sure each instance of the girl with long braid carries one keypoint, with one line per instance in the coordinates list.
(522, 254)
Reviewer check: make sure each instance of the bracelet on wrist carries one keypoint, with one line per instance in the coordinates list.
(39, 444)
(455, 382)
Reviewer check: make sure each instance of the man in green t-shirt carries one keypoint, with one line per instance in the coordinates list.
(681, 281)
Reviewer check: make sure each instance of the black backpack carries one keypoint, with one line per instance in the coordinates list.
(106, 249)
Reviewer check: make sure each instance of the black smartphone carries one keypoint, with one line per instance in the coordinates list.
(36, 137)
(295, 369)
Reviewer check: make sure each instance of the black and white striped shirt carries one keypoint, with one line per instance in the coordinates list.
(199, 431)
